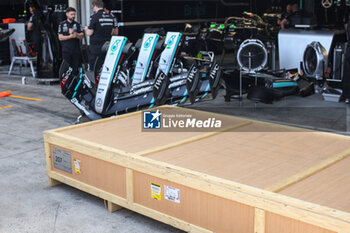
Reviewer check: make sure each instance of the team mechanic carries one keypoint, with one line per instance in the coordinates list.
(34, 25)
(70, 33)
(102, 26)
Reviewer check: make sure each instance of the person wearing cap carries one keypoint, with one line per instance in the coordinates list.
(102, 26)
(70, 33)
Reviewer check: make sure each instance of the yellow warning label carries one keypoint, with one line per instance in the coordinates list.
(156, 191)
(77, 166)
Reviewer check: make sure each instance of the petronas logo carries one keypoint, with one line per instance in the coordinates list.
(115, 45)
(171, 40)
(148, 42)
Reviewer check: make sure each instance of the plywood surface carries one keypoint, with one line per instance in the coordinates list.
(199, 208)
(330, 187)
(98, 173)
(259, 159)
(126, 134)
(279, 224)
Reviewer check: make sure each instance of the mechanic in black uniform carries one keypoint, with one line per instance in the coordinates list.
(102, 27)
(291, 10)
(285, 14)
(34, 26)
(70, 33)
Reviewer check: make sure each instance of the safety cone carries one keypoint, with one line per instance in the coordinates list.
(4, 94)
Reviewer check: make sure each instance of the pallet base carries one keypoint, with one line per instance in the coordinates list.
(53, 182)
(112, 207)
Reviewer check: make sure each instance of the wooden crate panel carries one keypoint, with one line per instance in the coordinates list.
(259, 159)
(329, 187)
(279, 224)
(95, 172)
(196, 207)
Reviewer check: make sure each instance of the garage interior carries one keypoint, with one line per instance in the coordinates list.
(294, 79)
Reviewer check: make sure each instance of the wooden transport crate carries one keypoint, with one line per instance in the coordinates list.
(250, 177)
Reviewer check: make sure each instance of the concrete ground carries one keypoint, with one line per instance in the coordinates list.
(28, 204)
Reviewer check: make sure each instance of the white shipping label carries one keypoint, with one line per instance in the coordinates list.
(172, 194)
